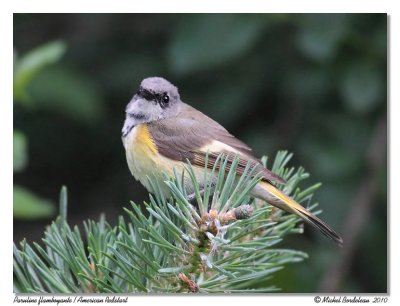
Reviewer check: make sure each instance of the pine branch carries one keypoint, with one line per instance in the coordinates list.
(226, 244)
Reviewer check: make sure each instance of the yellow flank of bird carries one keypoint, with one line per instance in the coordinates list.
(141, 153)
(143, 140)
(144, 159)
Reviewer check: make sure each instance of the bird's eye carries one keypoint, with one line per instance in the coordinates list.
(165, 98)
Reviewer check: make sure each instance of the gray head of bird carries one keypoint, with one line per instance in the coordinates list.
(155, 99)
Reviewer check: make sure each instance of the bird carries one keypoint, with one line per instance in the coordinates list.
(161, 134)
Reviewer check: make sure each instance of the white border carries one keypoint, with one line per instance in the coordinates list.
(182, 6)
(125, 6)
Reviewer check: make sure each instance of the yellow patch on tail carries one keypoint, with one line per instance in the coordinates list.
(292, 204)
(277, 198)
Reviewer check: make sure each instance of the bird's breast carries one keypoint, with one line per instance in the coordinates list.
(140, 140)
(146, 162)
(141, 153)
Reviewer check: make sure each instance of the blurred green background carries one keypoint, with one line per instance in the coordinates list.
(313, 84)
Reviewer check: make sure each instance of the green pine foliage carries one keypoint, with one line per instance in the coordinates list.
(228, 243)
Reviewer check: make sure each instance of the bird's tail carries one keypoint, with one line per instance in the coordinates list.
(274, 196)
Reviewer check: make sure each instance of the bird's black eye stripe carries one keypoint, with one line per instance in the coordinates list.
(161, 98)
(145, 94)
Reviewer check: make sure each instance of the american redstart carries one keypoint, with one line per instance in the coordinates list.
(161, 133)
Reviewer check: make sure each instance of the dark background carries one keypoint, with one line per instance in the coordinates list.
(313, 84)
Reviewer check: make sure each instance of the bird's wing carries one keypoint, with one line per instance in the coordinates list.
(191, 135)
